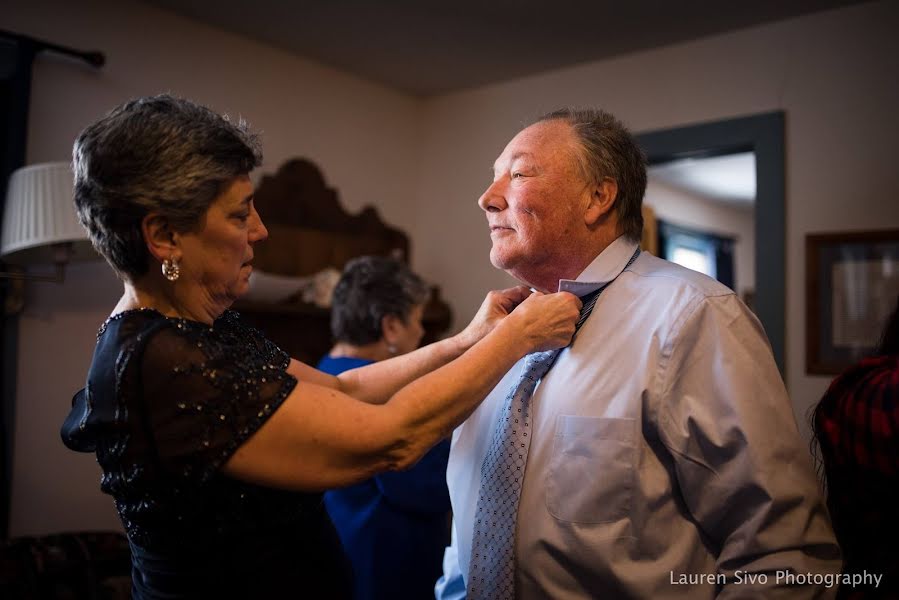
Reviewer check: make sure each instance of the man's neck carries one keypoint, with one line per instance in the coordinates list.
(547, 280)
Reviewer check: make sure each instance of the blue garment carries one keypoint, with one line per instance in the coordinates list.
(394, 526)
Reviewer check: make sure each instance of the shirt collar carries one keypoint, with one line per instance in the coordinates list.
(604, 268)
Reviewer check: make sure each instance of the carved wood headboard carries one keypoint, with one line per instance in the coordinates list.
(308, 232)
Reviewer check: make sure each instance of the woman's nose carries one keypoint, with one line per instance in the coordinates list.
(258, 231)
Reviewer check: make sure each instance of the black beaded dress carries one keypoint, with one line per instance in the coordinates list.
(167, 402)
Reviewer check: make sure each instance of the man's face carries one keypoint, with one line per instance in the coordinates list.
(535, 206)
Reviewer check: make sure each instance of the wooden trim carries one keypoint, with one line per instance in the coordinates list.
(815, 362)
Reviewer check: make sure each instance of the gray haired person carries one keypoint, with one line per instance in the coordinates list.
(659, 456)
(377, 308)
(394, 525)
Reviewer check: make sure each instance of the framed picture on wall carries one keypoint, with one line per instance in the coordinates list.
(852, 283)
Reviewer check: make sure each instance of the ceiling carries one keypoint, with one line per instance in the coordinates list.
(425, 47)
(729, 178)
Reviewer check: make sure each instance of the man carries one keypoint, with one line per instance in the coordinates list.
(664, 459)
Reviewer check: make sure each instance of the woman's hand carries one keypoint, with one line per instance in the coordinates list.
(546, 321)
(497, 305)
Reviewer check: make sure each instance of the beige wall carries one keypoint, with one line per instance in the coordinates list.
(833, 73)
(363, 136)
(424, 164)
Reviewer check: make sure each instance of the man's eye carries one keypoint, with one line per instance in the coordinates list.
(517, 175)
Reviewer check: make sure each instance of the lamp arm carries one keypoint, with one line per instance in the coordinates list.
(58, 277)
(62, 254)
(96, 59)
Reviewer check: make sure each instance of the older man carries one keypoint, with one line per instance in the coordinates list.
(659, 457)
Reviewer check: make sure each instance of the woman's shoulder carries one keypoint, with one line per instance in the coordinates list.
(137, 323)
(165, 343)
(145, 338)
(142, 326)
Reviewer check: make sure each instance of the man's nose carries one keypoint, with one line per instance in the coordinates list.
(493, 199)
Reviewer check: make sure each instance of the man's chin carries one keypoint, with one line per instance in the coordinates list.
(498, 261)
(503, 263)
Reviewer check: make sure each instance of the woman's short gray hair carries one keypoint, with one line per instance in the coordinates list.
(609, 150)
(371, 288)
(156, 154)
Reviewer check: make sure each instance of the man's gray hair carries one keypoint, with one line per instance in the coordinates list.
(609, 150)
(156, 154)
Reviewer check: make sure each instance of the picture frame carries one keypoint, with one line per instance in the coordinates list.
(852, 285)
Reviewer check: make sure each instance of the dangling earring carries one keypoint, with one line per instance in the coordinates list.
(171, 270)
(391, 348)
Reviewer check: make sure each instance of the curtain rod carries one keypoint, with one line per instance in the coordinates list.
(96, 59)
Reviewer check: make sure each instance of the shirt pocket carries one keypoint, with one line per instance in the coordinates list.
(590, 477)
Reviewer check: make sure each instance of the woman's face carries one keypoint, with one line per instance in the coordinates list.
(217, 257)
(410, 331)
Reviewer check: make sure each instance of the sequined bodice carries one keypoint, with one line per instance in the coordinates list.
(169, 401)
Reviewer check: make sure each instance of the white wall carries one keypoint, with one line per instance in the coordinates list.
(833, 73)
(363, 136)
(703, 214)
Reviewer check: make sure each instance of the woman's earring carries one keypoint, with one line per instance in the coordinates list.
(391, 348)
(171, 270)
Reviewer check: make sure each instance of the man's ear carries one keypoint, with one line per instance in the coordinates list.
(161, 240)
(602, 200)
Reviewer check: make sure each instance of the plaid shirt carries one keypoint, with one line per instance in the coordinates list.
(857, 426)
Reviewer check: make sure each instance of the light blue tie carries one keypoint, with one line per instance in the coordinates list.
(491, 571)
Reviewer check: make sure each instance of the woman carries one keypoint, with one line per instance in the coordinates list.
(856, 426)
(214, 443)
(394, 526)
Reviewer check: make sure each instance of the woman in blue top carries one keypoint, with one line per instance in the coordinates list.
(394, 526)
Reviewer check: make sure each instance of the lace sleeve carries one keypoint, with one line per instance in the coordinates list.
(206, 391)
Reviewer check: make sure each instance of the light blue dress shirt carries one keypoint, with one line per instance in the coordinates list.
(663, 444)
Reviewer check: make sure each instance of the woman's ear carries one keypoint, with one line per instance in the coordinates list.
(390, 329)
(602, 199)
(161, 240)
(391, 332)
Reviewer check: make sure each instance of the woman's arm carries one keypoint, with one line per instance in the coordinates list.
(377, 382)
(321, 438)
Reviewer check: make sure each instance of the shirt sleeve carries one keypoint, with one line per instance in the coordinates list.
(451, 585)
(204, 395)
(741, 467)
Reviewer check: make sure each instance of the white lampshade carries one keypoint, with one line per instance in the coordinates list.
(39, 214)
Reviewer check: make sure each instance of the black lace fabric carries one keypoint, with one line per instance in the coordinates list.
(167, 402)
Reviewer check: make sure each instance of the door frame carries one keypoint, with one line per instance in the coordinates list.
(762, 134)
